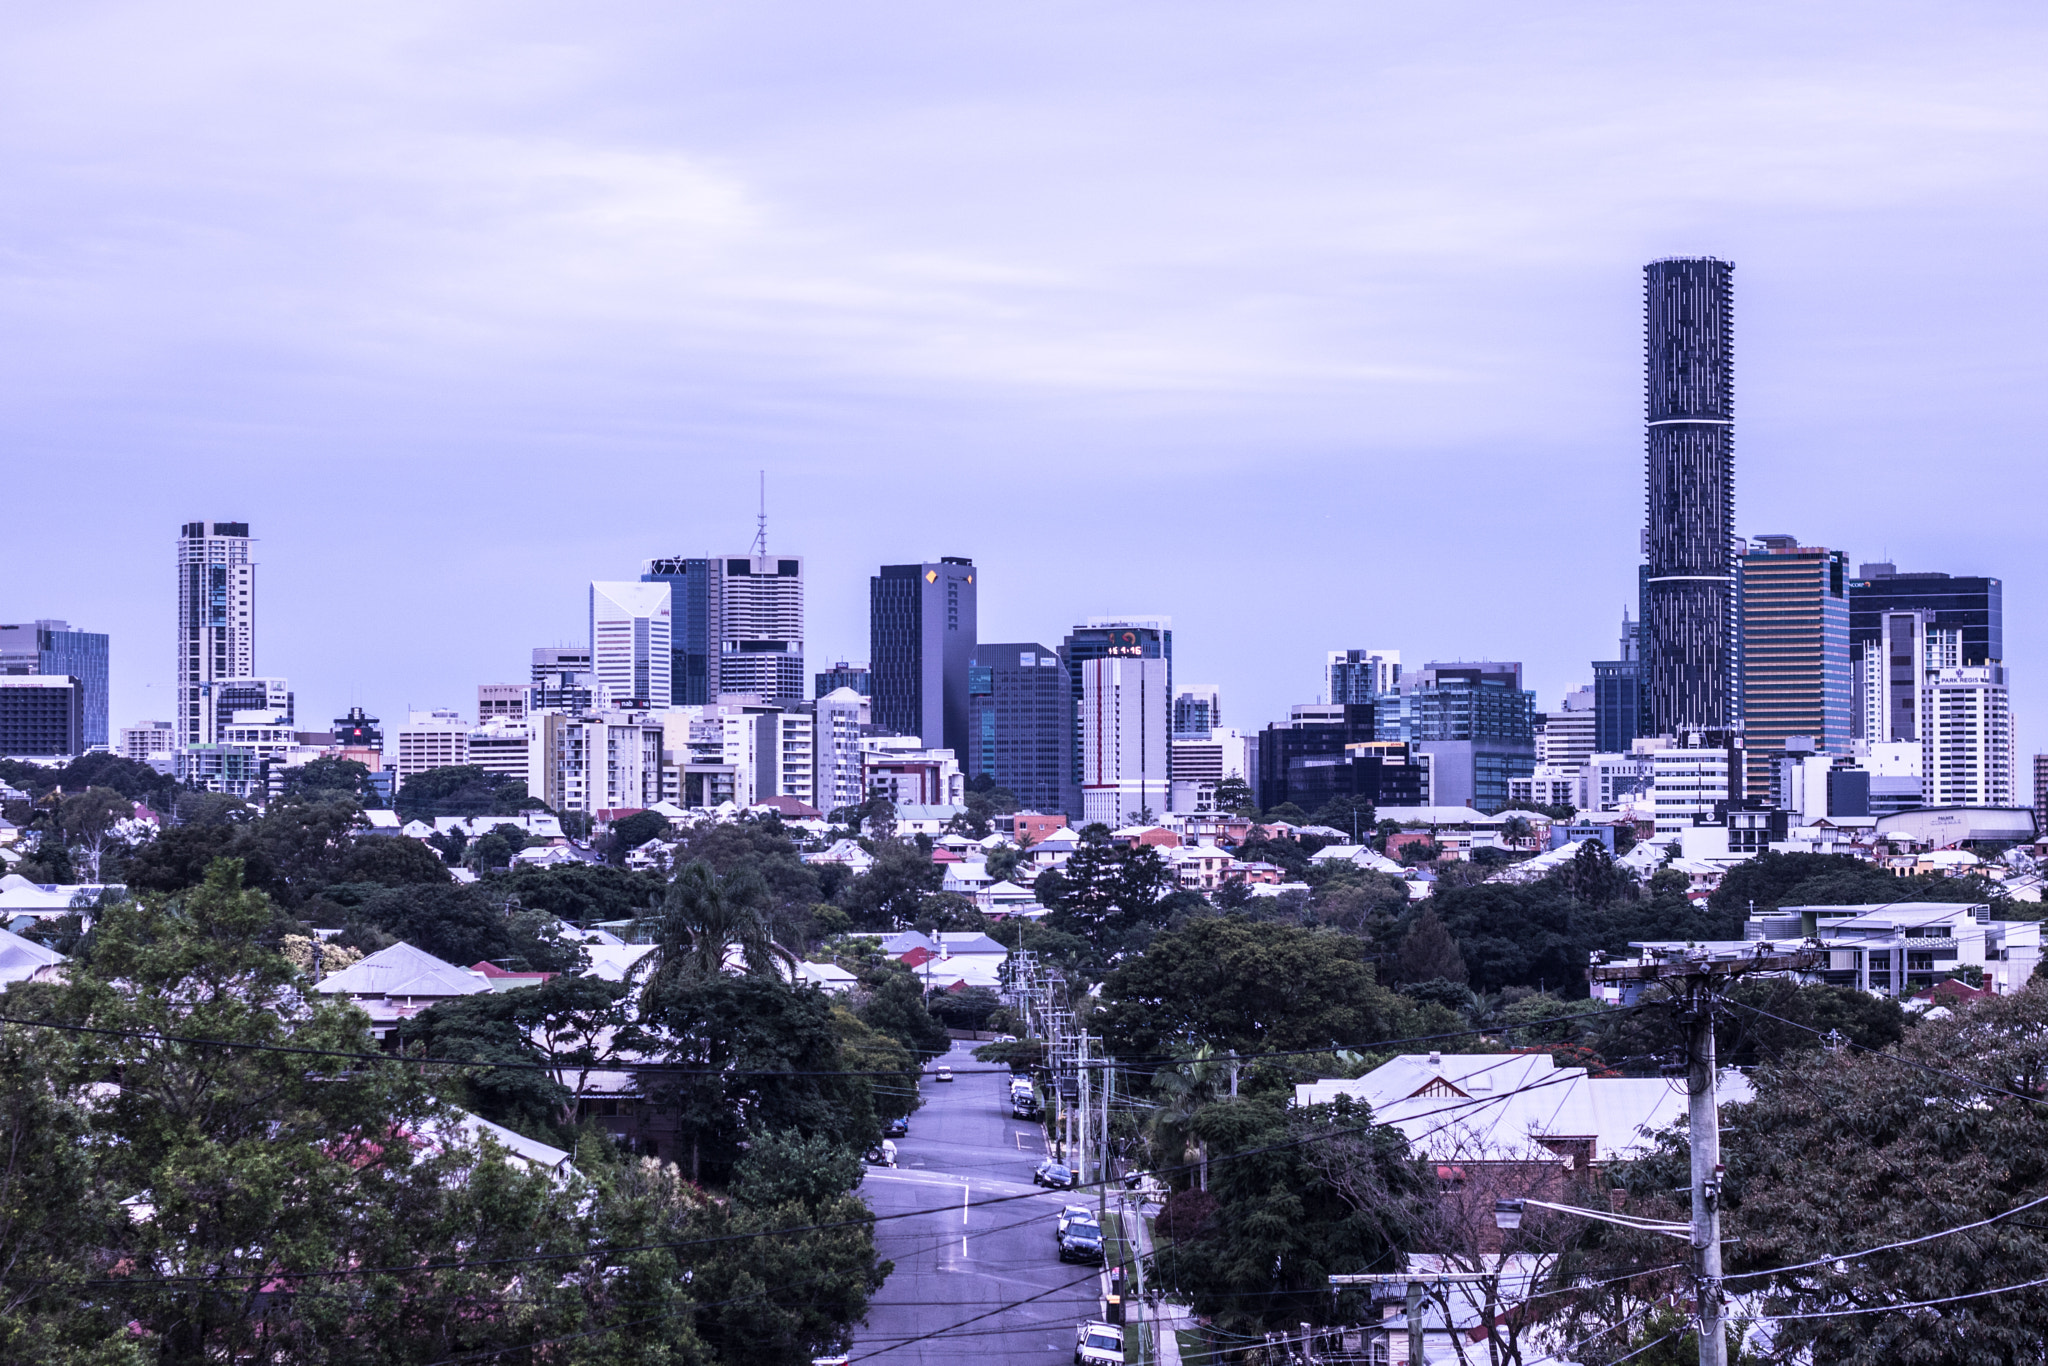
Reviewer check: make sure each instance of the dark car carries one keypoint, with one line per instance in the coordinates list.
(1053, 1174)
(1082, 1243)
(897, 1127)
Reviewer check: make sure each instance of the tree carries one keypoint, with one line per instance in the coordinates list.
(1353, 815)
(457, 924)
(1248, 986)
(319, 779)
(1105, 891)
(1816, 1165)
(586, 893)
(1429, 952)
(896, 1008)
(893, 889)
(1511, 935)
(88, 823)
(706, 918)
(1235, 794)
(462, 790)
(636, 829)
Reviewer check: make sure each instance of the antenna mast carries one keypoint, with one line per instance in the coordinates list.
(761, 522)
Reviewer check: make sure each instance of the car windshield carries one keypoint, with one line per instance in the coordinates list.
(1108, 1342)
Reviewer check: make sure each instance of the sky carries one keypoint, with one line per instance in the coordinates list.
(1312, 325)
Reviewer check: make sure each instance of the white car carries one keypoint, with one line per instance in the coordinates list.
(1098, 1344)
(942, 1073)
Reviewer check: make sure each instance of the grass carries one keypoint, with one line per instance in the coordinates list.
(1193, 1351)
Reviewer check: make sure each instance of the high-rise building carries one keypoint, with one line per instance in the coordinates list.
(922, 628)
(1966, 746)
(1568, 737)
(1017, 720)
(1322, 754)
(1618, 693)
(841, 718)
(691, 635)
(216, 619)
(501, 701)
(1103, 638)
(1125, 773)
(843, 675)
(629, 643)
(1362, 675)
(552, 661)
(53, 648)
(436, 738)
(358, 730)
(1478, 725)
(1971, 605)
(1890, 674)
(1201, 763)
(1689, 626)
(2041, 792)
(563, 681)
(1795, 653)
(1197, 710)
(41, 715)
(756, 613)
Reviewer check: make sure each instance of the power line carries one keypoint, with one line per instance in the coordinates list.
(1913, 1304)
(1888, 1247)
(1897, 1057)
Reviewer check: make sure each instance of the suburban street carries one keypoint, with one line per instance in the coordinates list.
(961, 1262)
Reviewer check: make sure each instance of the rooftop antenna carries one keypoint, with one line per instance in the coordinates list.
(761, 522)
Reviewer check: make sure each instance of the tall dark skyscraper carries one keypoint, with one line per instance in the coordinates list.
(921, 635)
(690, 634)
(53, 648)
(1019, 716)
(1689, 635)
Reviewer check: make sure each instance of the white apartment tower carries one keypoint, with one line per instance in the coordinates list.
(630, 639)
(1125, 721)
(216, 620)
(1966, 740)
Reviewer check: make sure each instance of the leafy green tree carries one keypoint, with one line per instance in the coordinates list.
(1248, 986)
(636, 829)
(1105, 890)
(1430, 953)
(457, 924)
(325, 779)
(585, 893)
(895, 1007)
(462, 790)
(893, 889)
(493, 850)
(1516, 935)
(1235, 794)
(1352, 815)
(704, 919)
(138, 782)
(1280, 1228)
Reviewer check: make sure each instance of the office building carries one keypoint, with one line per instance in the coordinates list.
(1017, 720)
(1795, 653)
(1323, 754)
(1689, 626)
(1618, 693)
(52, 648)
(563, 681)
(1197, 710)
(501, 702)
(1201, 763)
(552, 661)
(41, 715)
(1477, 723)
(691, 634)
(358, 730)
(1566, 738)
(840, 719)
(1692, 783)
(216, 620)
(843, 675)
(149, 742)
(1125, 724)
(629, 643)
(501, 745)
(1608, 782)
(436, 738)
(922, 627)
(1361, 675)
(1966, 747)
(1104, 638)
(1973, 606)
(1890, 675)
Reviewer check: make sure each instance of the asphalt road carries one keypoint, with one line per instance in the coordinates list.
(964, 1260)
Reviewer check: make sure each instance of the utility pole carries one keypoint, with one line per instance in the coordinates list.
(1705, 1133)
(1697, 974)
(1415, 1334)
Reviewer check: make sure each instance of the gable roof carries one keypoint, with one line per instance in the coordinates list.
(21, 959)
(403, 970)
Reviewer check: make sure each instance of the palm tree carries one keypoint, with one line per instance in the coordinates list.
(1516, 831)
(1184, 1092)
(703, 919)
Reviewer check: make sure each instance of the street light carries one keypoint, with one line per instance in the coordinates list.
(1507, 1214)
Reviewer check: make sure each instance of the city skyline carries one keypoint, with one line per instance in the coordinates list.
(903, 360)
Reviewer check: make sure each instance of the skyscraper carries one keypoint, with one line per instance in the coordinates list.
(1974, 607)
(1018, 719)
(1478, 725)
(52, 648)
(689, 581)
(1689, 629)
(1124, 754)
(738, 625)
(1795, 653)
(1104, 638)
(216, 619)
(921, 635)
(1618, 694)
(630, 643)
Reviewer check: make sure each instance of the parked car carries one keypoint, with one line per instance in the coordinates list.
(897, 1127)
(942, 1073)
(1082, 1243)
(1098, 1344)
(1055, 1175)
(882, 1154)
(1071, 1215)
